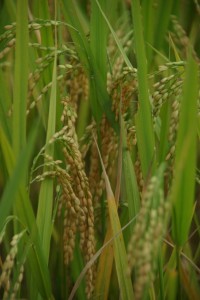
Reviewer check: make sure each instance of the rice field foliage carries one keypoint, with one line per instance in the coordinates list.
(99, 148)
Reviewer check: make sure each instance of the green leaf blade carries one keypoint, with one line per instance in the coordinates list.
(45, 205)
(120, 256)
(144, 124)
(21, 77)
(185, 161)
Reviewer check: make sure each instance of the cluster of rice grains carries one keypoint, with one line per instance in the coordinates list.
(182, 40)
(12, 270)
(35, 92)
(76, 198)
(147, 234)
(121, 98)
(168, 89)
(75, 203)
(64, 71)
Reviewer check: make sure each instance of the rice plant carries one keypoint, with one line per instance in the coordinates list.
(99, 141)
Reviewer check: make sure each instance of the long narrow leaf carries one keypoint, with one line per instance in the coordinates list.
(127, 61)
(105, 264)
(105, 267)
(162, 21)
(131, 192)
(21, 77)
(185, 161)
(98, 32)
(144, 125)
(44, 213)
(124, 280)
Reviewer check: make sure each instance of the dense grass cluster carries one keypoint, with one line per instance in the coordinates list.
(99, 139)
